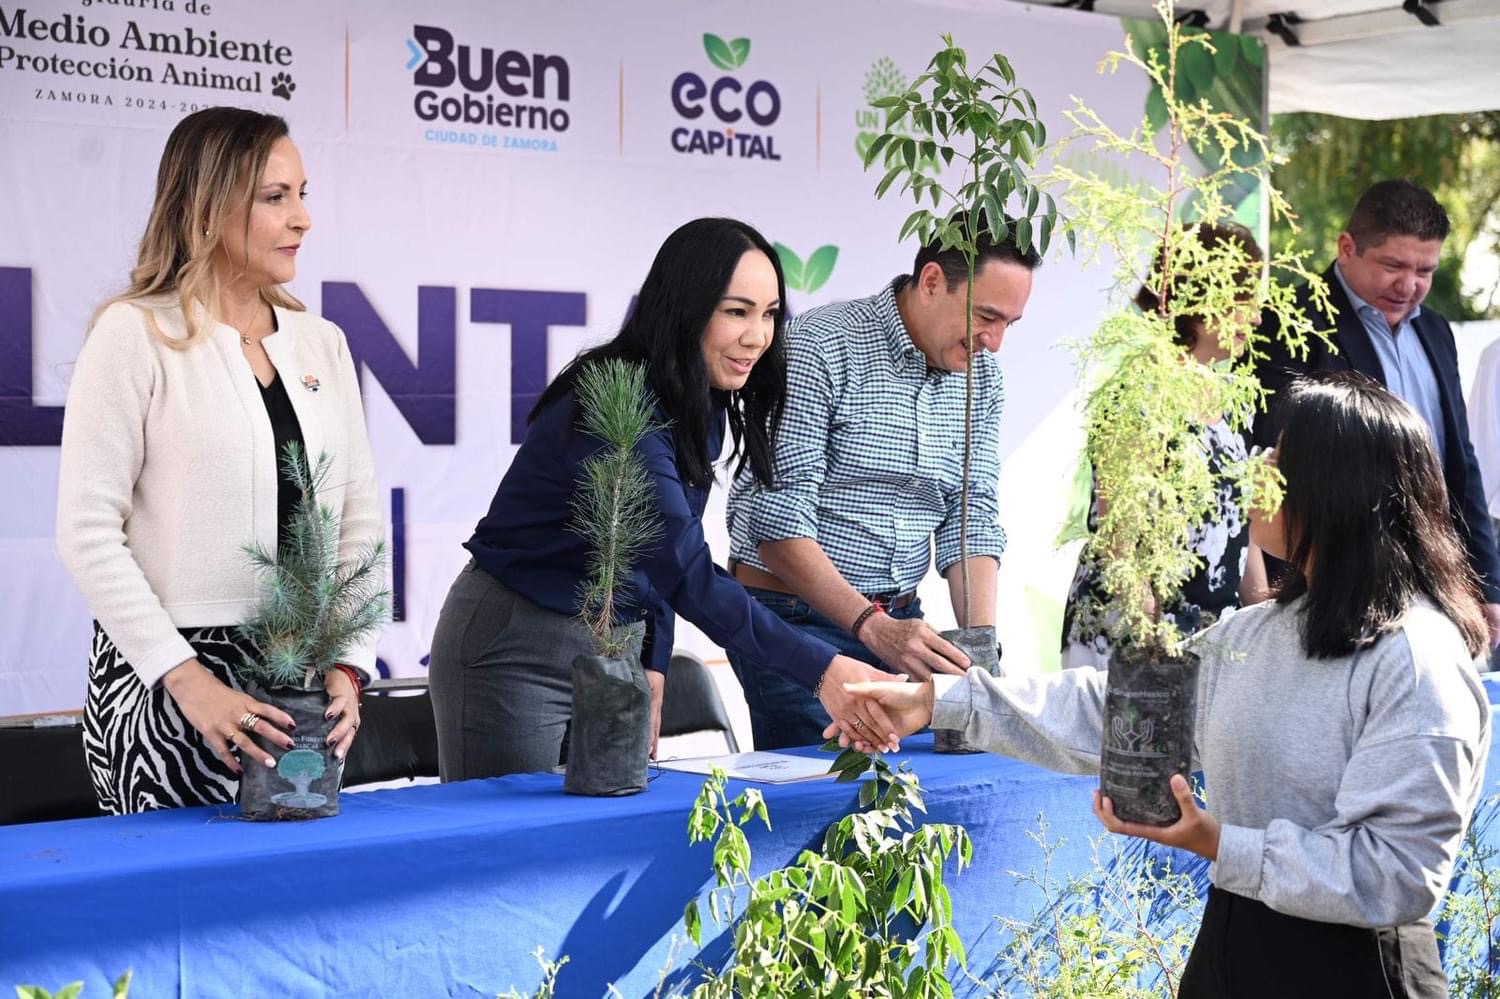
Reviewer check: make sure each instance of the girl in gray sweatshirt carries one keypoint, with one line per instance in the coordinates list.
(1341, 728)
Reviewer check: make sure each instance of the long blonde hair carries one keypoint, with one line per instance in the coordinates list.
(209, 170)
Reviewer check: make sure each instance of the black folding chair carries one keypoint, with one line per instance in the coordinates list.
(42, 774)
(397, 734)
(691, 701)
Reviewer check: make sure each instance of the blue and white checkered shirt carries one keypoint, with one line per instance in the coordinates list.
(869, 458)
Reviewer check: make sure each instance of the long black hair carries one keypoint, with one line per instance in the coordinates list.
(664, 331)
(1366, 503)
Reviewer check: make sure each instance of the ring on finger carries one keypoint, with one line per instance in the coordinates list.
(249, 720)
(858, 723)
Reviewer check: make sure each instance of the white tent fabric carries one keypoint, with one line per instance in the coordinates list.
(1418, 71)
(1374, 59)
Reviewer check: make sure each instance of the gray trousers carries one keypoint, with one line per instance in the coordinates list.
(501, 678)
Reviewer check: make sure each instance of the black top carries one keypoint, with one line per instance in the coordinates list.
(284, 427)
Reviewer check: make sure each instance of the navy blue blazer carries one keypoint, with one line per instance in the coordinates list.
(1355, 351)
(527, 541)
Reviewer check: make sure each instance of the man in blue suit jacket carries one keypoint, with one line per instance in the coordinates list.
(1386, 258)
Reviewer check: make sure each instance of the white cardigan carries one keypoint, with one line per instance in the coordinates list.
(169, 466)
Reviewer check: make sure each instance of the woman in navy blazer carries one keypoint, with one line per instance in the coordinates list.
(708, 328)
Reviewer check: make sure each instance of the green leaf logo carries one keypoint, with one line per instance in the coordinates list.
(726, 55)
(813, 274)
(791, 266)
(819, 267)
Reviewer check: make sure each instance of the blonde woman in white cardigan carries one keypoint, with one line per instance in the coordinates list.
(185, 391)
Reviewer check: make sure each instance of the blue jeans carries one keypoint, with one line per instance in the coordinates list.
(782, 713)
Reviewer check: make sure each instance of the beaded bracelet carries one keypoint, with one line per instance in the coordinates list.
(354, 678)
(864, 616)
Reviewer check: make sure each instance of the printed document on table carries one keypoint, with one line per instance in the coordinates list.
(766, 768)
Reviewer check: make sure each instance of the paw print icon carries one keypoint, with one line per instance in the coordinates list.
(282, 86)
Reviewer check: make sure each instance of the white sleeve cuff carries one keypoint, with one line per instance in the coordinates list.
(165, 657)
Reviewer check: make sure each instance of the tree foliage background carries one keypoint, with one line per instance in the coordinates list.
(1331, 160)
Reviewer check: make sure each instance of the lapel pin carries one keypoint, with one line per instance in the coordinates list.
(310, 382)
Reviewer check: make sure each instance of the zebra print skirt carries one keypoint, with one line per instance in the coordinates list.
(142, 754)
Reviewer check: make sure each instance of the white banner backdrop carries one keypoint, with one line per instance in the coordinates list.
(489, 182)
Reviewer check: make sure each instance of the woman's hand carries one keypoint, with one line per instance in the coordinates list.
(859, 720)
(1197, 831)
(216, 710)
(658, 683)
(908, 705)
(343, 704)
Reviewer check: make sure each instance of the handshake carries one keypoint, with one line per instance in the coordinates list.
(872, 710)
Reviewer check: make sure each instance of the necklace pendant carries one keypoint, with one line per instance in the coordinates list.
(244, 340)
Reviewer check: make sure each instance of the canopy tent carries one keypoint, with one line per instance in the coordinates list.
(1372, 59)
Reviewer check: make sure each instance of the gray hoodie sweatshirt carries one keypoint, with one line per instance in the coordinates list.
(1342, 786)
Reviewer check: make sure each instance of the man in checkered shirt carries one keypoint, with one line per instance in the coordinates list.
(869, 463)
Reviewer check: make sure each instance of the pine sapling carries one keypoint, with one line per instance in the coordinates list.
(615, 507)
(313, 606)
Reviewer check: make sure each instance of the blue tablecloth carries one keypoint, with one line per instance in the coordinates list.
(447, 890)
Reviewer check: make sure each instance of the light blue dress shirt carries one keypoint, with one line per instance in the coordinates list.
(1408, 372)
